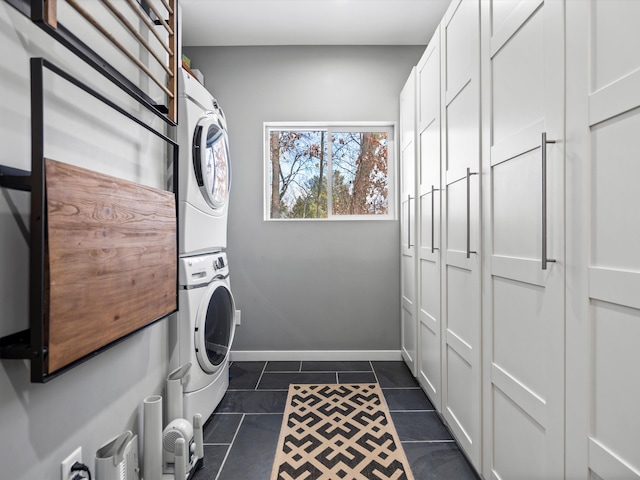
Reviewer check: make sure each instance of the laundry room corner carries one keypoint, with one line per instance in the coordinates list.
(42, 423)
(306, 286)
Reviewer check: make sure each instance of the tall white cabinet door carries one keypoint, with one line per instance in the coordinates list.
(428, 119)
(603, 142)
(525, 381)
(408, 235)
(461, 287)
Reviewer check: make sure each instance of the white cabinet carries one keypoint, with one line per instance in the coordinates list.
(428, 74)
(527, 265)
(408, 224)
(524, 230)
(603, 259)
(461, 262)
(448, 256)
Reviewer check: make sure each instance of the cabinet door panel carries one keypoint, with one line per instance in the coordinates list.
(463, 132)
(429, 83)
(615, 232)
(430, 297)
(461, 35)
(520, 102)
(408, 287)
(614, 258)
(430, 156)
(613, 29)
(408, 223)
(462, 406)
(516, 207)
(429, 307)
(512, 457)
(525, 430)
(430, 361)
(616, 427)
(519, 332)
(461, 312)
(461, 306)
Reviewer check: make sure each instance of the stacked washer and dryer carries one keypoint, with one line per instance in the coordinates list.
(205, 323)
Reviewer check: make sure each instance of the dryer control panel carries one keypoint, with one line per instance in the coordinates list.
(202, 269)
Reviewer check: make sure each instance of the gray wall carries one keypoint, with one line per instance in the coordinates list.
(40, 424)
(306, 285)
(300, 285)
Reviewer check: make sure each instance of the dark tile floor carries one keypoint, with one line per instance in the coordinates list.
(241, 436)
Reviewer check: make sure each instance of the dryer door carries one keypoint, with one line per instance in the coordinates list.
(211, 160)
(215, 327)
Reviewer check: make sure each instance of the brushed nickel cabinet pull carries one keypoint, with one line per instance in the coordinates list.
(469, 173)
(433, 248)
(543, 147)
(409, 221)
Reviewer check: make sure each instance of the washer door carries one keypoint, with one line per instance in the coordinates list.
(211, 161)
(215, 327)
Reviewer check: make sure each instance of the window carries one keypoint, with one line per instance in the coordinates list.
(301, 158)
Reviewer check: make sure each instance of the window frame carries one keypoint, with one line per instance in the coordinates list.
(329, 127)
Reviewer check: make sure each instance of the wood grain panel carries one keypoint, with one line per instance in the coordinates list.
(112, 259)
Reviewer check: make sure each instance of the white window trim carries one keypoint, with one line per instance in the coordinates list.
(329, 127)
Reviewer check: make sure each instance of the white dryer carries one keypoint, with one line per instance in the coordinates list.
(204, 330)
(205, 171)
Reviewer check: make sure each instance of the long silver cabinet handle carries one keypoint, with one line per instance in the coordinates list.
(409, 221)
(543, 148)
(469, 173)
(433, 248)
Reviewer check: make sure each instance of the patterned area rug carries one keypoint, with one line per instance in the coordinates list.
(336, 431)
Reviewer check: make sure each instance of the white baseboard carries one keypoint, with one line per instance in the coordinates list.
(314, 355)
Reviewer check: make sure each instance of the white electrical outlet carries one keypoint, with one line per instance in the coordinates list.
(237, 317)
(76, 456)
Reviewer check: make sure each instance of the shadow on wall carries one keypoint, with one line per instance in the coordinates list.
(74, 399)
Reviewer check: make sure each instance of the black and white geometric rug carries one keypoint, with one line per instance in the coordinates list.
(338, 431)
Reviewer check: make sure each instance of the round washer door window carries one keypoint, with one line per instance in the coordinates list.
(211, 161)
(215, 327)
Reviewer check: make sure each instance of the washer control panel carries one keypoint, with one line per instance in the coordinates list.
(202, 269)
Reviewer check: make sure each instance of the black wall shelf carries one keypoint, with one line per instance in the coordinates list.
(34, 9)
(32, 343)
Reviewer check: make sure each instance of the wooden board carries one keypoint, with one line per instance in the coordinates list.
(112, 260)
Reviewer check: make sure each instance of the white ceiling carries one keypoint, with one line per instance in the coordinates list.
(310, 22)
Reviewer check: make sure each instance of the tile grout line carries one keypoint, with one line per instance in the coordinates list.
(256, 390)
(375, 375)
(226, 455)
(264, 368)
(249, 413)
(402, 388)
(292, 372)
(428, 441)
(417, 410)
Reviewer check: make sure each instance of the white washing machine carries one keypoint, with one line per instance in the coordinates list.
(204, 330)
(205, 171)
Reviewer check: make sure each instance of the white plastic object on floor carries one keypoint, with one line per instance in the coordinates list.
(198, 436)
(152, 418)
(180, 472)
(176, 430)
(175, 382)
(118, 458)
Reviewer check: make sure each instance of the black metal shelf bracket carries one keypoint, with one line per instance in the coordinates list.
(32, 343)
(34, 9)
(15, 179)
(17, 346)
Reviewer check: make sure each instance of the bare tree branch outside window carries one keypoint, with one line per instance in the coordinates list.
(301, 161)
